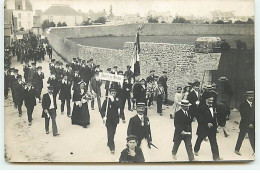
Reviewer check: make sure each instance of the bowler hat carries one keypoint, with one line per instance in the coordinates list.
(140, 104)
(131, 137)
(185, 103)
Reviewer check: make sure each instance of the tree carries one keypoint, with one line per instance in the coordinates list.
(46, 24)
(239, 22)
(100, 20)
(59, 24)
(152, 19)
(178, 19)
(64, 24)
(87, 22)
(250, 21)
(218, 22)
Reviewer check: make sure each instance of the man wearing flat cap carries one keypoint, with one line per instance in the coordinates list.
(132, 153)
(207, 125)
(247, 123)
(49, 107)
(110, 115)
(183, 129)
(139, 125)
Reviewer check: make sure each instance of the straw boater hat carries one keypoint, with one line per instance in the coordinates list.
(209, 87)
(249, 93)
(223, 78)
(185, 103)
(140, 104)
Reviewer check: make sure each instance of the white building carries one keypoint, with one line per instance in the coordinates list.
(62, 13)
(223, 16)
(22, 11)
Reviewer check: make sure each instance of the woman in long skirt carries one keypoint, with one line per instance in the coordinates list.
(80, 114)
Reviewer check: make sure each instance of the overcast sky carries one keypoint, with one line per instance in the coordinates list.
(180, 7)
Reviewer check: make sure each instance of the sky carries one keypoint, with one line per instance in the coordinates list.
(199, 8)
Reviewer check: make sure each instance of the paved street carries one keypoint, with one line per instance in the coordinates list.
(25, 143)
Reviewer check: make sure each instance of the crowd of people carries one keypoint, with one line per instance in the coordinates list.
(78, 82)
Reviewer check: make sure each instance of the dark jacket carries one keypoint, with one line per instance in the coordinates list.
(55, 84)
(38, 80)
(247, 115)
(139, 93)
(138, 158)
(192, 98)
(182, 122)
(19, 91)
(65, 91)
(204, 117)
(112, 112)
(135, 128)
(86, 74)
(164, 81)
(76, 80)
(46, 102)
(30, 99)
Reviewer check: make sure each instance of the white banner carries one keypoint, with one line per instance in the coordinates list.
(111, 77)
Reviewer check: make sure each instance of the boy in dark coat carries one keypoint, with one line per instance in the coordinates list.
(29, 101)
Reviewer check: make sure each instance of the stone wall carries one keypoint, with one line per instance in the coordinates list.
(179, 60)
(154, 29)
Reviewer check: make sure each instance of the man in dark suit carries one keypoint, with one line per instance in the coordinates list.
(183, 130)
(68, 72)
(65, 94)
(76, 79)
(163, 79)
(32, 72)
(6, 82)
(29, 101)
(193, 97)
(38, 82)
(110, 116)
(207, 125)
(139, 125)
(19, 94)
(247, 123)
(49, 107)
(139, 91)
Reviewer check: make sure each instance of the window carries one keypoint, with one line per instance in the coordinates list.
(19, 7)
(19, 15)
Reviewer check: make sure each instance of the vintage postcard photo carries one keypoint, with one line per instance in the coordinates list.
(133, 81)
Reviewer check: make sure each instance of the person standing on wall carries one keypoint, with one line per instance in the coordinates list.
(164, 79)
(247, 123)
(110, 115)
(49, 107)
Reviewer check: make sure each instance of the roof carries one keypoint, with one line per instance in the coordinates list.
(61, 10)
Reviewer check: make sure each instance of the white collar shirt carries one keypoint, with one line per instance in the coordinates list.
(52, 101)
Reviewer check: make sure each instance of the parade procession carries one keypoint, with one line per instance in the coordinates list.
(128, 88)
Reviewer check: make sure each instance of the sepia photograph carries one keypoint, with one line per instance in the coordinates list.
(128, 82)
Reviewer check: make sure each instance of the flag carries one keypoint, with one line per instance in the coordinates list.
(135, 66)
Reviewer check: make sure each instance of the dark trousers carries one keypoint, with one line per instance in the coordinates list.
(6, 92)
(159, 104)
(188, 145)
(52, 113)
(50, 55)
(19, 103)
(213, 145)
(107, 92)
(150, 100)
(111, 131)
(122, 110)
(166, 95)
(98, 101)
(241, 137)
(38, 93)
(128, 101)
(68, 105)
(29, 112)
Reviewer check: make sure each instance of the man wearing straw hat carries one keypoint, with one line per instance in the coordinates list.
(183, 130)
(247, 123)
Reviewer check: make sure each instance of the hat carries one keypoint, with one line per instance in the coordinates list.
(115, 66)
(108, 69)
(112, 89)
(185, 103)
(156, 76)
(82, 82)
(74, 59)
(28, 83)
(190, 83)
(52, 60)
(141, 79)
(61, 63)
(222, 78)
(207, 95)
(159, 82)
(120, 72)
(128, 66)
(39, 67)
(98, 66)
(196, 83)
(16, 70)
(67, 65)
(83, 61)
(101, 71)
(19, 77)
(140, 104)
(209, 87)
(152, 71)
(91, 60)
(131, 137)
(164, 72)
(33, 63)
(51, 87)
(213, 84)
(249, 93)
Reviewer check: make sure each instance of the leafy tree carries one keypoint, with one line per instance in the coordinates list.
(250, 21)
(178, 19)
(64, 24)
(87, 22)
(59, 24)
(218, 22)
(46, 24)
(152, 19)
(100, 20)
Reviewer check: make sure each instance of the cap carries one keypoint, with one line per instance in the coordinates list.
(140, 104)
(185, 103)
(108, 69)
(131, 137)
(152, 71)
(223, 78)
(120, 72)
(51, 87)
(115, 66)
(164, 72)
